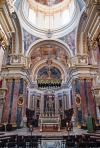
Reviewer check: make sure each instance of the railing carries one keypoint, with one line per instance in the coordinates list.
(49, 83)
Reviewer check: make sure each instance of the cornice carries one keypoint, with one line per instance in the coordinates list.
(15, 74)
(80, 72)
(53, 9)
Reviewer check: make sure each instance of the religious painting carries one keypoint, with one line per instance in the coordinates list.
(49, 103)
(48, 2)
(45, 73)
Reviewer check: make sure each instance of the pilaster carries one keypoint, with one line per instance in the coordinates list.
(42, 104)
(56, 105)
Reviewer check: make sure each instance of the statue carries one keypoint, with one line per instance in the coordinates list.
(50, 104)
(92, 50)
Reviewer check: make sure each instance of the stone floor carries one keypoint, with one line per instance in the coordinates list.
(36, 131)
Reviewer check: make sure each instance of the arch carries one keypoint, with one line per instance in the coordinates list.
(19, 34)
(42, 63)
(80, 36)
(45, 41)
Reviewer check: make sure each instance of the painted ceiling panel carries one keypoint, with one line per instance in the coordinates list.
(49, 52)
(49, 2)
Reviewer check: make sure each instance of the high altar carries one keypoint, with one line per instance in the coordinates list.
(49, 121)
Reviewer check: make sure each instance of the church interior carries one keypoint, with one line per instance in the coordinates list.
(49, 73)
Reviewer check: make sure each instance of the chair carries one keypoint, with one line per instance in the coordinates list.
(21, 144)
(19, 138)
(78, 138)
(2, 144)
(33, 145)
(9, 127)
(98, 144)
(27, 139)
(83, 145)
(70, 144)
(91, 144)
(11, 144)
(13, 139)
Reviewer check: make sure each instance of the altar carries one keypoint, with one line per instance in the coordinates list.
(49, 123)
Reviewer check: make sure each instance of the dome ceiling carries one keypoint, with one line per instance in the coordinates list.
(46, 14)
(48, 18)
(49, 2)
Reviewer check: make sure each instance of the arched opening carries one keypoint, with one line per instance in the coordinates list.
(49, 51)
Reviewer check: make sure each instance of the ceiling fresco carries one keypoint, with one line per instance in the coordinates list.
(50, 12)
(28, 39)
(70, 40)
(49, 2)
(49, 52)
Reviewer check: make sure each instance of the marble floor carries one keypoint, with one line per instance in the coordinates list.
(36, 131)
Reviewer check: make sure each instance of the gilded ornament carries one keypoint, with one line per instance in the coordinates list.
(20, 101)
(78, 100)
(3, 41)
(95, 44)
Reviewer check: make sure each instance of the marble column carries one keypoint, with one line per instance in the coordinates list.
(63, 105)
(3, 91)
(7, 102)
(98, 114)
(33, 103)
(69, 100)
(1, 56)
(1, 109)
(65, 100)
(29, 95)
(56, 105)
(42, 104)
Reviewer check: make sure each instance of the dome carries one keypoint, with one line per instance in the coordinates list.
(46, 15)
(49, 2)
(49, 19)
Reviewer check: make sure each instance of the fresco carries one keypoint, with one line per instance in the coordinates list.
(44, 73)
(28, 39)
(49, 52)
(48, 2)
(70, 40)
